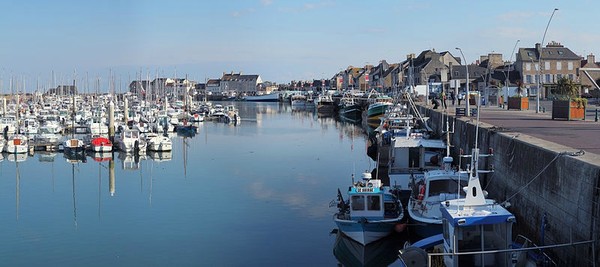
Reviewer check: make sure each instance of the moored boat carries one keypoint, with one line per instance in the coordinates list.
(371, 212)
(272, 97)
(130, 141)
(325, 104)
(159, 143)
(101, 144)
(16, 144)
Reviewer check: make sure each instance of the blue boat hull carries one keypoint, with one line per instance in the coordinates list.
(366, 232)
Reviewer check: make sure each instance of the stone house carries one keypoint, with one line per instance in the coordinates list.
(240, 83)
(556, 60)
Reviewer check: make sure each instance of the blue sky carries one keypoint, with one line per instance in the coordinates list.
(280, 40)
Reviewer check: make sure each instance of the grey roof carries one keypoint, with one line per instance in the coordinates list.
(239, 77)
(550, 52)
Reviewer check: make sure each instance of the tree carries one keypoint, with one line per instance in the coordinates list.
(566, 88)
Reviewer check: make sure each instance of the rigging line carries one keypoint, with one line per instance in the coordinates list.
(535, 177)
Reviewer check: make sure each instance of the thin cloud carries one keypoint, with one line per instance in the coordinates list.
(266, 2)
(516, 16)
(243, 12)
(309, 6)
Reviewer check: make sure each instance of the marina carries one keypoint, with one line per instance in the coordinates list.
(227, 190)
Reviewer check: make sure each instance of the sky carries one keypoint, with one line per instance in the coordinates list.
(46, 43)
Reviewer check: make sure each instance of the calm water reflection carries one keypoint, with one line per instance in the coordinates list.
(255, 194)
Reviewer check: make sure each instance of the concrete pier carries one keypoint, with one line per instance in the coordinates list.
(542, 180)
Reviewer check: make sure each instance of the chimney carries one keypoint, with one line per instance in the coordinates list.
(591, 59)
(537, 47)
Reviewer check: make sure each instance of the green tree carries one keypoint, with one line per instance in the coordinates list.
(566, 88)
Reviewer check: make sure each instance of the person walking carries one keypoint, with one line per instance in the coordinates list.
(443, 99)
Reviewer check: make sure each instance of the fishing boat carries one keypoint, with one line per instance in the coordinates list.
(476, 231)
(435, 187)
(378, 104)
(411, 154)
(101, 144)
(371, 212)
(298, 101)
(382, 252)
(325, 104)
(272, 97)
(350, 109)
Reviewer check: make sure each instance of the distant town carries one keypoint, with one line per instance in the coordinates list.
(429, 72)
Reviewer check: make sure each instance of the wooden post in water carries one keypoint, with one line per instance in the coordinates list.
(111, 177)
(111, 121)
(126, 109)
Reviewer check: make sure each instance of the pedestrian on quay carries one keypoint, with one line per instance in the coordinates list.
(443, 99)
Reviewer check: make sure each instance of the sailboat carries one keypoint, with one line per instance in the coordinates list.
(73, 145)
(16, 144)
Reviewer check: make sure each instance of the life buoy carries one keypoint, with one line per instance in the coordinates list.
(421, 192)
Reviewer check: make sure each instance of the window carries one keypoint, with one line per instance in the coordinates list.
(547, 65)
(560, 52)
(528, 66)
(529, 53)
(528, 78)
(570, 65)
(571, 77)
(558, 65)
(558, 76)
(374, 203)
(548, 78)
(358, 203)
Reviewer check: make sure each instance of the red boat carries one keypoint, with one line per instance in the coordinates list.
(101, 144)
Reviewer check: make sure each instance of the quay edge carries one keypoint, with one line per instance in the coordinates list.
(542, 181)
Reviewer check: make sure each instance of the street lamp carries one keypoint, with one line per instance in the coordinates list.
(468, 111)
(537, 97)
(509, 62)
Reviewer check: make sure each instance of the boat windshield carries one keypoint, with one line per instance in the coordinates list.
(446, 186)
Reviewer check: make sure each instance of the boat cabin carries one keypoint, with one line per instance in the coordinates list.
(368, 200)
(477, 229)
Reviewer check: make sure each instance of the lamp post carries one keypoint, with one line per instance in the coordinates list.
(509, 62)
(468, 111)
(537, 97)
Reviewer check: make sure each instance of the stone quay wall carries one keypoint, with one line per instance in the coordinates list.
(542, 181)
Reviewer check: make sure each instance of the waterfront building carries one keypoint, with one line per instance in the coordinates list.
(557, 61)
(238, 82)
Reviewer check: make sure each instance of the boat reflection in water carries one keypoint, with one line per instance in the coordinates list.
(131, 161)
(75, 157)
(382, 252)
(46, 156)
(160, 156)
(17, 157)
(100, 156)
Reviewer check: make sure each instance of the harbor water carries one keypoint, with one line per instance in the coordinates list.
(253, 194)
